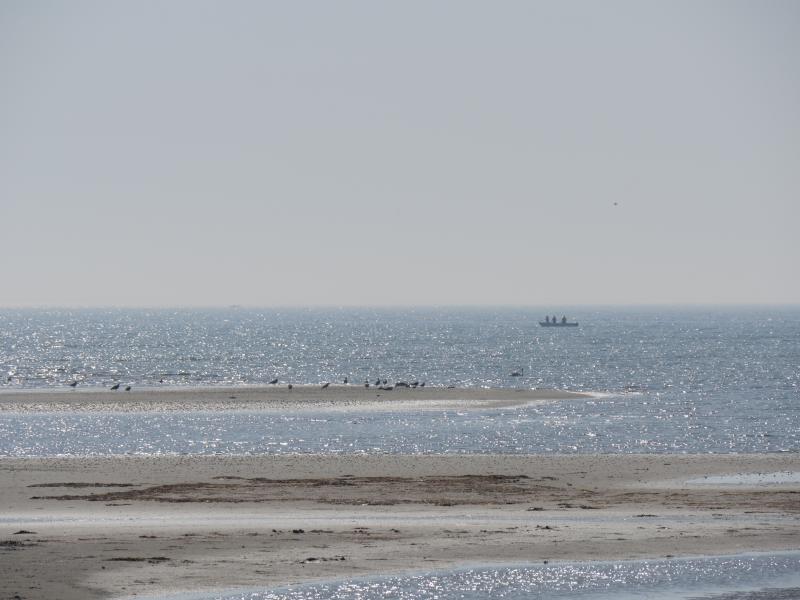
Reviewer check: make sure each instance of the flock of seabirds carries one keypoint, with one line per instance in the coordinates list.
(381, 384)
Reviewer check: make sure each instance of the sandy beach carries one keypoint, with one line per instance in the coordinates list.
(271, 398)
(77, 528)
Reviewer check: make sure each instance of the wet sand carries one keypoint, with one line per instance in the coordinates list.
(271, 398)
(78, 528)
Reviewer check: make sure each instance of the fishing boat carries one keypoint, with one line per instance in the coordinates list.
(548, 322)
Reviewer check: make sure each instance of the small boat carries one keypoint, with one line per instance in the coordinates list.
(562, 323)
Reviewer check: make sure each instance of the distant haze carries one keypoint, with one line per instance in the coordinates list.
(374, 153)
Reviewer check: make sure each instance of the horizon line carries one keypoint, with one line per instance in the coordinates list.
(395, 306)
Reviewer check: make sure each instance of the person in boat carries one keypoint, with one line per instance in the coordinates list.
(547, 319)
(563, 320)
(554, 318)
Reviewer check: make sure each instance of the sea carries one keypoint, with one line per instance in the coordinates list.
(662, 380)
(659, 379)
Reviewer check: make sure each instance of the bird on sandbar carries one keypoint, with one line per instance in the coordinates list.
(324, 385)
(274, 381)
(115, 386)
(127, 388)
(290, 386)
(73, 384)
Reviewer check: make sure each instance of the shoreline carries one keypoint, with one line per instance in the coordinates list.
(111, 527)
(273, 398)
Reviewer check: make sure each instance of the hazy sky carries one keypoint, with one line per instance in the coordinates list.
(372, 153)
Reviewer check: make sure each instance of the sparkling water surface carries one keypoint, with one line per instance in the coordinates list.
(699, 380)
(692, 351)
(745, 577)
(609, 425)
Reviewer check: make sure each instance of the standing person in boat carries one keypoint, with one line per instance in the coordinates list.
(554, 318)
(563, 320)
(547, 319)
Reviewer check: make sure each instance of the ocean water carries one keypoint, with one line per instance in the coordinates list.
(700, 352)
(666, 380)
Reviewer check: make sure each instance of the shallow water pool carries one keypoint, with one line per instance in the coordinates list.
(741, 577)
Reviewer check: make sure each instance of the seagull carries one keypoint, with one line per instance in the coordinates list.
(115, 386)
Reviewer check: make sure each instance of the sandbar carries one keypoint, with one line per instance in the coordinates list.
(272, 398)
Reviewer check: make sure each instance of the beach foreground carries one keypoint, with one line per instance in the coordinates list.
(117, 526)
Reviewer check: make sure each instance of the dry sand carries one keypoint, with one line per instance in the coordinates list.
(82, 528)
